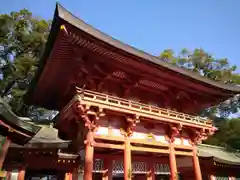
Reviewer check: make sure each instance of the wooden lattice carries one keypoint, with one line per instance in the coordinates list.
(98, 165)
(161, 168)
(139, 167)
(117, 166)
(221, 178)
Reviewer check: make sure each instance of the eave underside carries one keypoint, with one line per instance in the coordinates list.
(88, 56)
(15, 128)
(219, 154)
(87, 66)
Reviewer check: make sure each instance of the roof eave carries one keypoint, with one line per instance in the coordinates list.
(68, 17)
(61, 15)
(43, 59)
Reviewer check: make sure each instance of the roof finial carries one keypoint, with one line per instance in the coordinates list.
(63, 27)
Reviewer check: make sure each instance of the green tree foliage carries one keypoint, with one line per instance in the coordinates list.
(22, 41)
(228, 134)
(220, 70)
(206, 65)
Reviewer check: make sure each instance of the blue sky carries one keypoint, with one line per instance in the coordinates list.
(155, 25)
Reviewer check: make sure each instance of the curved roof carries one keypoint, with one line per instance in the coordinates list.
(219, 154)
(62, 16)
(16, 128)
(65, 15)
(47, 137)
(39, 91)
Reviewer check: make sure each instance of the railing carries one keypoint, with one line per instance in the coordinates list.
(107, 100)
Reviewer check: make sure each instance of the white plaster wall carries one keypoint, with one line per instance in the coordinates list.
(14, 176)
(80, 176)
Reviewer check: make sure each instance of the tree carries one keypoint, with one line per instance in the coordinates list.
(228, 134)
(22, 41)
(220, 70)
(206, 65)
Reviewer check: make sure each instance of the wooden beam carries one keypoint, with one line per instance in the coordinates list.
(109, 138)
(108, 146)
(152, 150)
(161, 76)
(11, 129)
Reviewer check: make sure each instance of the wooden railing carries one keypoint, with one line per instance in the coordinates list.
(112, 101)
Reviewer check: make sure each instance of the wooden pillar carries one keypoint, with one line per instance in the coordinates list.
(4, 150)
(196, 165)
(70, 176)
(107, 175)
(212, 177)
(150, 173)
(21, 174)
(8, 176)
(127, 159)
(173, 163)
(66, 177)
(75, 174)
(89, 152)
(231, 178)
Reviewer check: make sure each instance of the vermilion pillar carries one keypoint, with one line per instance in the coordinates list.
(4, 150)
(21, 174)
(70, 175)
(212, 177)
(151, 173)
(173, 163)
(9, 174)
(107, 175)
(127, 160)
(89, 152)
(196, 165)
(66, 176)
(75, 174)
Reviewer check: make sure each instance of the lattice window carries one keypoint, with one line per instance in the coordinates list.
(161, 168)
(81, 167)
(139, 167)
(98, 165)
(222, 178)
(117, 166)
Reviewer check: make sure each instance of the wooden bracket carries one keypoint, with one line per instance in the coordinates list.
(173, 132)
(199, 136)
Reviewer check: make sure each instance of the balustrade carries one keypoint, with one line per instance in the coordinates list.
(140, 109)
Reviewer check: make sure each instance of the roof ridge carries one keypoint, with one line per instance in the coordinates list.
(219, 147)
(213, 146)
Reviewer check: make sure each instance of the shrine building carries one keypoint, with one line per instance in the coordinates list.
(123, 113)
(45, 157)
